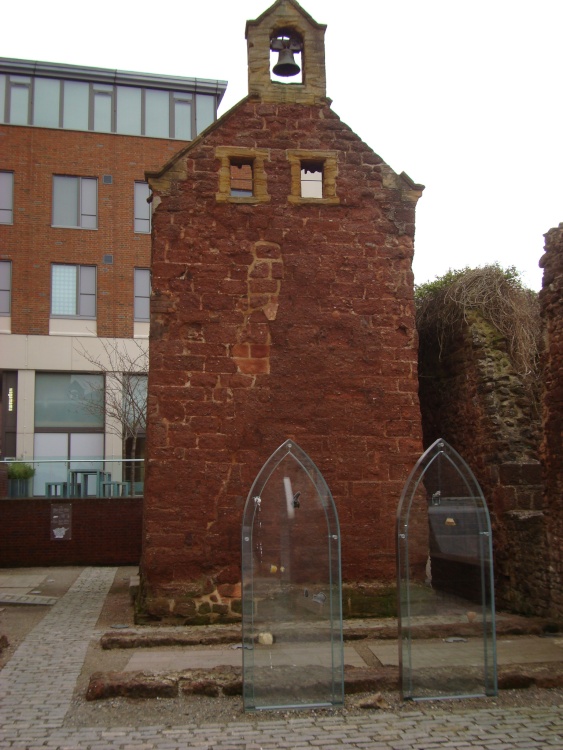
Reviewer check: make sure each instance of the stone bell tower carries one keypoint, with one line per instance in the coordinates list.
(282, 308)
(286, 22)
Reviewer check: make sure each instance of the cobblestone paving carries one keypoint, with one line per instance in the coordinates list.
(36, 687)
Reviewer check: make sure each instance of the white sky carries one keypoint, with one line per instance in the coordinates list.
(463, 96)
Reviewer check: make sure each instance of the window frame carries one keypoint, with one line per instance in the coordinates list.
(137, 204)
(81, 295)
(82, 184)
(298, 160)
(234, 156)
(7, 288)
(9, 206)
(141, 274)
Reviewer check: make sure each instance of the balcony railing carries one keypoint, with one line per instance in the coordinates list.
(72, 478)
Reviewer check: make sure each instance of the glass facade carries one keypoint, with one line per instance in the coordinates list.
(105, 107)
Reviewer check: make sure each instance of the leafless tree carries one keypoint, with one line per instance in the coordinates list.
(123, 398)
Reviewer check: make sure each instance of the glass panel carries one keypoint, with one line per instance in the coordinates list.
(2, 97)
(142, 208)
(445, 576)
(142, 293)
(292, 616)
(65, 201)
(128, 110)
(87, 297)
(53, 445)
(102, 112)
(5, 286)
(88, 203)
(6, 197)
(183, 120)
(87, 446)
(205, 111)
(75, 107)
(157, 113)
(69, 400)
(19, 104)
(46, 102)
(63, 290)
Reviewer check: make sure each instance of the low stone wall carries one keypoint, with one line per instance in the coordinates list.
(105, 531)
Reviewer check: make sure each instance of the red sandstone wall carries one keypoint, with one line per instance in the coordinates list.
(272, 321)
(551, 301)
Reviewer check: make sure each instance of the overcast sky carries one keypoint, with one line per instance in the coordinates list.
(466, 97)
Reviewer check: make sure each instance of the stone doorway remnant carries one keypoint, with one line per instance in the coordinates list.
(445, 575)
(291, 587)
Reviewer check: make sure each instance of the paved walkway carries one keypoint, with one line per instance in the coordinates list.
(36, 688)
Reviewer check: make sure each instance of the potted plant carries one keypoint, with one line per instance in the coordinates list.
(20, 475)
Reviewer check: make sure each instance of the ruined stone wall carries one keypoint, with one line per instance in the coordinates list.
(551, 303)
(472, 397)
(275, 319)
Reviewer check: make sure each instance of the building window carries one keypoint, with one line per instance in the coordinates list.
(73, 291)
(6, 197)
(18, 100)
(142, 294)
(69, 401)
(142, 208)
(5, 287)
(242, 176)
(313, 176)
(75, 202)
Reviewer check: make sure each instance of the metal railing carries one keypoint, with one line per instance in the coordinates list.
(75, 477)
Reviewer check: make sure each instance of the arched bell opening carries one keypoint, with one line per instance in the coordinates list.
(286, 56)
(447, 643)
(291, 587)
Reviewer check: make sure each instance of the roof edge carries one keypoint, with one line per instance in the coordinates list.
(108, 75)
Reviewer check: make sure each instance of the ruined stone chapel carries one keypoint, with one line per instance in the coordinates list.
(282, 307)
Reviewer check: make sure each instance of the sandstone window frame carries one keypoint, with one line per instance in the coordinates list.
(300, 159)
(235, 156)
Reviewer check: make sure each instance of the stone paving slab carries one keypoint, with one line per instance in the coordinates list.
(27, 599)
(522, 650)
(21, 580)
(175, 660)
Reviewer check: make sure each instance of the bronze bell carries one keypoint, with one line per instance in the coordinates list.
(286, 65)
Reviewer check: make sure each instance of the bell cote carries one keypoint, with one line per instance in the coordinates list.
(286, 55)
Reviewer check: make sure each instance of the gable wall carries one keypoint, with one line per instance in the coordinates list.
(272, 321)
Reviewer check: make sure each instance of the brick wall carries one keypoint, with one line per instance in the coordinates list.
(472, 397)
(551, 302)
(32, 244)
(104, 532)
(272, 320)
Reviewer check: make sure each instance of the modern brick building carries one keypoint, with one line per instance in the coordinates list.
(282, 307)
(75, 240)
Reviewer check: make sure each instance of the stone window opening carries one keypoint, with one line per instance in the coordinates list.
(286, 57)
(242, 178)
(312, 179)
(242, 175)
(313, 176)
